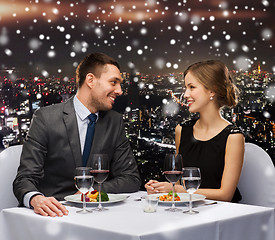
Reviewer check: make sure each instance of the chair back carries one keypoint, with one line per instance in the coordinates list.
(9, 163)
(257, 180)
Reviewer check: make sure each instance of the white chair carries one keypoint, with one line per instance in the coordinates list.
(9, 162)
(257, 180)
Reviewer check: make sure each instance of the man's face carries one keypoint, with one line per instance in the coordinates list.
(106, 88)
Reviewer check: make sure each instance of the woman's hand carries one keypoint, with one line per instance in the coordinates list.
(154, 186)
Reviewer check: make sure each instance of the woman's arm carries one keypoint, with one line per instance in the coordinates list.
(177, 137)
(234, 154)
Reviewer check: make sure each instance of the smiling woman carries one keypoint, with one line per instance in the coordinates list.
(210, 143)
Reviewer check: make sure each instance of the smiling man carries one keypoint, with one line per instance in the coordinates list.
(56, 140)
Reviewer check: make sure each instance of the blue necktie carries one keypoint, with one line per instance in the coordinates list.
(89, 138)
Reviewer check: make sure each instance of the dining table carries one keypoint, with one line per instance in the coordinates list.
(126, 220)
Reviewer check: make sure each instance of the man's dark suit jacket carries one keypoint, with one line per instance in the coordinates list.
(52, 151)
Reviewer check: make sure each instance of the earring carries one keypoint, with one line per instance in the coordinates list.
(211, 98)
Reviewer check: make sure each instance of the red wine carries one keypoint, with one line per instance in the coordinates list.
(100, 175)
(172, 176)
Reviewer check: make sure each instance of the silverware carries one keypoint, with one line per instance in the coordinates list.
(210, 203)
(140, 198)
(205, 204)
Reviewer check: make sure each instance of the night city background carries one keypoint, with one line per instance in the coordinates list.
(42, 42)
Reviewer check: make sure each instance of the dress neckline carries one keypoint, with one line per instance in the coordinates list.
(198, 140)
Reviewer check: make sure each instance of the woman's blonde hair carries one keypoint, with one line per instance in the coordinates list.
(215, 76)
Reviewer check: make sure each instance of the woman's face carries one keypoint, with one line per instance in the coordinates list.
(196, 94)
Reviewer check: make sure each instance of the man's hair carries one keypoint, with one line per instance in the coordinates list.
(93, 63)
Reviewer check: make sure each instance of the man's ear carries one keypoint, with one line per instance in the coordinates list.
(89, 80)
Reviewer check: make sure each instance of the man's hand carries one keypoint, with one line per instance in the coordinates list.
(48, 206)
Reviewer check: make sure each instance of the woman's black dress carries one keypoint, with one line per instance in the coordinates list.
(206, 155)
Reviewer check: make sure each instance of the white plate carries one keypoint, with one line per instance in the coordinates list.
(113, 198)
(184, 197)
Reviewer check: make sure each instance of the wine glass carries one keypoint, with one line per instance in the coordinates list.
(100, 172)
(191, 177)
(172, 170)
(83, 182)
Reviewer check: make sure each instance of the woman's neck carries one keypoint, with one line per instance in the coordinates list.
(211, 119)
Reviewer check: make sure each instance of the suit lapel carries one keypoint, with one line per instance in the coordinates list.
(72, 131)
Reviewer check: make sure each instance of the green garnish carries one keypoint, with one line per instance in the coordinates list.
(171, 193)
(104, 197)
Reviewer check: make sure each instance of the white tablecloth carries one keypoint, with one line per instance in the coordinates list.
(126, 220)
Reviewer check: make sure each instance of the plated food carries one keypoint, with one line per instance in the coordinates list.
(169, 197)
(180, 200)
(113, 198)
(94, 196)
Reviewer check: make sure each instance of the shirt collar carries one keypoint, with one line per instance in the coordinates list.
(81, 110)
